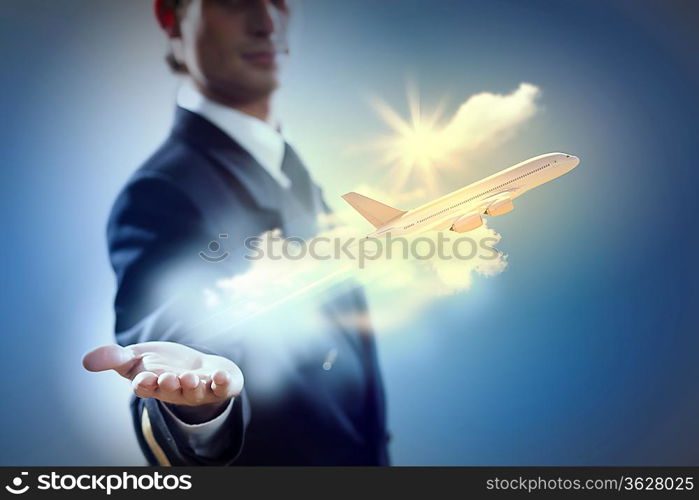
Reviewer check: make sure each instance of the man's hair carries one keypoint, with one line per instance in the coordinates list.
(175, 65)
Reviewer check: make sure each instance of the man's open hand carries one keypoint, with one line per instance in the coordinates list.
(172, 373)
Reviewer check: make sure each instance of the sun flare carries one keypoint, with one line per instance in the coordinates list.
(416, 146)
(423, 144)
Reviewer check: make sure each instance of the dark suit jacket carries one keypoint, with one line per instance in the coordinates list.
(201, 184)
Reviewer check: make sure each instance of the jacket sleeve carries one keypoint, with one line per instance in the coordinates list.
(155, 234)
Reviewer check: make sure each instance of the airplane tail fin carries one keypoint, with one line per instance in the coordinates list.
(374, 211)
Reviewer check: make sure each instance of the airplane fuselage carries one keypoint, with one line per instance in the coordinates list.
(490, 196)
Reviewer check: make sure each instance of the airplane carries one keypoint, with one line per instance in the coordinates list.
(463, 209)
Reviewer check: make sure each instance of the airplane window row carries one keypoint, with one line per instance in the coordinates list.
(478, 196)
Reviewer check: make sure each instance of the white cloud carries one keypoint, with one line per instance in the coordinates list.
(416, 148)
(486, 119)
(272, 282)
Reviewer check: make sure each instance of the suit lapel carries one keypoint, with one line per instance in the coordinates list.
(214, 143)
(298, 207)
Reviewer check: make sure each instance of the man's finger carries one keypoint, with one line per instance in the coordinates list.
(109, 357)
(169, 385)
(221, 384)
(193, 389)
(145, 384)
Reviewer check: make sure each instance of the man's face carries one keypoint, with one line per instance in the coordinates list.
(230, 46)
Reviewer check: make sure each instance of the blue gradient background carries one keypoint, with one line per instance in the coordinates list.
(584, 351)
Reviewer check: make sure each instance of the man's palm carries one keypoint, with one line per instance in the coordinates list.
(170, 372)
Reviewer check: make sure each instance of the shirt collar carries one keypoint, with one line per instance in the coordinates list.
(257, 137)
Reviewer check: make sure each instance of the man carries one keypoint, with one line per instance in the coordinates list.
(298, 386)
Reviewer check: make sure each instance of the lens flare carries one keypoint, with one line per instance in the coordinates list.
(424, 143)
(416, 146)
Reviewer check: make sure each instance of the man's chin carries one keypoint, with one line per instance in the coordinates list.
(263, 84)
(251, 86)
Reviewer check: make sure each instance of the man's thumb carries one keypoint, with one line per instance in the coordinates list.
(107, 357)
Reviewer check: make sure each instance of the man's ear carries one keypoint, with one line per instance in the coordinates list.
(167, 17)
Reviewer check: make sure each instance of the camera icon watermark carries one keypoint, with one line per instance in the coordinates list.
(16, 488)
(214, 251)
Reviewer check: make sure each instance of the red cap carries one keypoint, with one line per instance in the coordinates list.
(165, 14)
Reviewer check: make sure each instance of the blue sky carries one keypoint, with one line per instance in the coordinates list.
(583, 351)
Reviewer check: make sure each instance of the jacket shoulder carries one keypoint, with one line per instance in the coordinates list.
(174, 160)
(156, 192)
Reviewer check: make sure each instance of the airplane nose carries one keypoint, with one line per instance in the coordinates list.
(573, 160)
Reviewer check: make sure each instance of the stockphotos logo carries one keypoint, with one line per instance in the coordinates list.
(106, 483)
(17, 487)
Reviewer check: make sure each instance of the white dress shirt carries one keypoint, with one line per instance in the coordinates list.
(257, 137)
(266, 145)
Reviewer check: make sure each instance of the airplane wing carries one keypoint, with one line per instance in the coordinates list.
(443, 224)
(497, 204)
(495, 199)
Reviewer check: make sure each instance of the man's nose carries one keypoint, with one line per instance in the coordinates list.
(264, 18)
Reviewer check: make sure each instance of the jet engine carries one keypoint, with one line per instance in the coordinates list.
(467, 223)
(500, 207)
